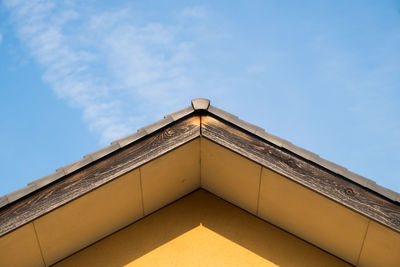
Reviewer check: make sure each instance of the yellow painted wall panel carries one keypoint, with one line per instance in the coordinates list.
(230, 175)
(90, 217)
(311, 216)
(201, 230)
(201, 247)
(171, 176)
(381, 247)
(20, 248)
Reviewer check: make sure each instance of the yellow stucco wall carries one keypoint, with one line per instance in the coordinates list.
(201, 230)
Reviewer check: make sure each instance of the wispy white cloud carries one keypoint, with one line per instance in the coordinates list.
(106, 63)
(1, 38)
(194, 12)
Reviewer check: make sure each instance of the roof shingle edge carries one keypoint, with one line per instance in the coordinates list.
(198, 104)
(308, 155)
(89, 158)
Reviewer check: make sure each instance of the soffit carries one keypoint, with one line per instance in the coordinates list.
(238, 177)
(291, 206)
(201, 230)
(304, 172)
(106, 209)
(95, 174)
(381, 247)
(203, 163)
(223, 128)
(21, 248)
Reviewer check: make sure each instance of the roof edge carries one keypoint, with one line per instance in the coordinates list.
(305, 154)
(203, 105)
(94, 156)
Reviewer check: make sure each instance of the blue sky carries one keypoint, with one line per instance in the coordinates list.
(75, 75)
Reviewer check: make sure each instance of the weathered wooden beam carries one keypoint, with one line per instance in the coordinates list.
(302, 171)
(97, 174)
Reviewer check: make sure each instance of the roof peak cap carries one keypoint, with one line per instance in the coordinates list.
(200, 103)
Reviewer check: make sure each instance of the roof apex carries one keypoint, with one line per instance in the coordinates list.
(201, 120)
(200, 103)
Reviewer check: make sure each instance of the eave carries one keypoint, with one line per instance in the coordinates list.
(206, 122)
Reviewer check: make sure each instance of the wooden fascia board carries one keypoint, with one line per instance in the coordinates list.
(98, 173)
(302, 171)
(180, 131)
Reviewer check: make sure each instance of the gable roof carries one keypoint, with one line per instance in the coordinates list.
(200, 120)
(199, 105)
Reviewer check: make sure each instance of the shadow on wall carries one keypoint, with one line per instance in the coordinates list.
(201, 230)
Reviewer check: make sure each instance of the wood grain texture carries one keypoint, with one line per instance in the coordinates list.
(303, 172)
(96, 174)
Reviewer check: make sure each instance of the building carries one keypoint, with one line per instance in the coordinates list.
(201, 188)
